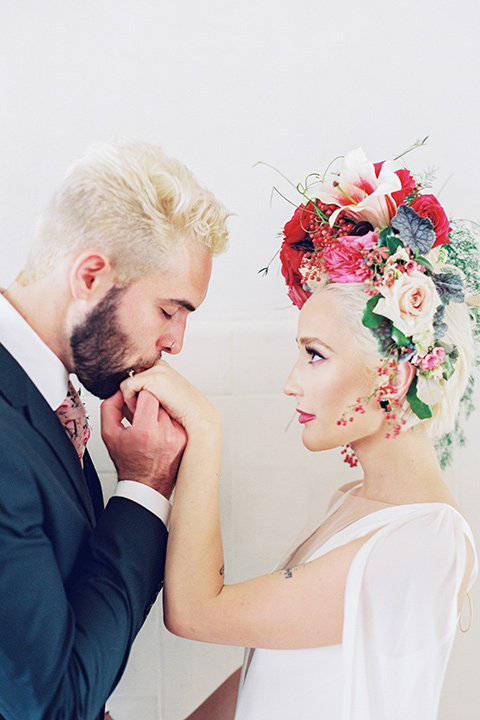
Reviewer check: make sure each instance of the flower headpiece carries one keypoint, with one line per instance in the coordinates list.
(373, 224)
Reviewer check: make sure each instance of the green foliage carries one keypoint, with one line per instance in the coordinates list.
(370, 319)
(421, 409)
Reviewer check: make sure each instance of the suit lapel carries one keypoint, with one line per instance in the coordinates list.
(21, 393)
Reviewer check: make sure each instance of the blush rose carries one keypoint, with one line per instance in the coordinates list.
(410, 303)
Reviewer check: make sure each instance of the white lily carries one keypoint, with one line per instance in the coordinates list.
(358, 192)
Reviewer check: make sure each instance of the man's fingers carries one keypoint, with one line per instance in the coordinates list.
(111, 410)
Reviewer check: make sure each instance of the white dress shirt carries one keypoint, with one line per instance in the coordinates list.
(49, 375)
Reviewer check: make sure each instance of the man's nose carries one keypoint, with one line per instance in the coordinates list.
(172, 341)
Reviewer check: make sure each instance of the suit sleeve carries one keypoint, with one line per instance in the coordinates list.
(65, 636)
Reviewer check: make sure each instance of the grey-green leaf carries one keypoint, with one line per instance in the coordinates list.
(449, 286)
(417, 232)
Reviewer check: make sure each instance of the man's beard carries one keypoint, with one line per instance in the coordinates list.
(100, 347)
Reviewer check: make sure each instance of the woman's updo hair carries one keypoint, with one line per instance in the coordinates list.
(352, 298)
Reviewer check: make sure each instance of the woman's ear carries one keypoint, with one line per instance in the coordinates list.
(403, 377)
(91, 275)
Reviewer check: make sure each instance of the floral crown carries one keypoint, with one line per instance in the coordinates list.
(372, 223)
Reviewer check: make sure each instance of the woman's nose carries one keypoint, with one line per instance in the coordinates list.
(291, 386)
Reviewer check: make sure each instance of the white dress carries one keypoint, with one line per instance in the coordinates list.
(401, 614)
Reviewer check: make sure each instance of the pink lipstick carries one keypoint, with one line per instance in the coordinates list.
(304, 417)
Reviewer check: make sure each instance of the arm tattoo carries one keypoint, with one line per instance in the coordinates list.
(222, 570)
(288, 573)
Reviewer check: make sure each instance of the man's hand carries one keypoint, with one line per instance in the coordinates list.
(150, 449)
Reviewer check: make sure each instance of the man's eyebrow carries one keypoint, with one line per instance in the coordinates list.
(182, 303)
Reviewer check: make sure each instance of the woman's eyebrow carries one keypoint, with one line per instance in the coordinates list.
(313, 341)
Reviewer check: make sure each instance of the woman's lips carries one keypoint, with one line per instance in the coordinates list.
(304, 417)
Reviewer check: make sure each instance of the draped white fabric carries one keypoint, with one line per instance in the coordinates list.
(400, 620)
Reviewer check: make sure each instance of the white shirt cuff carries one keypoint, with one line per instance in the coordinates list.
(145, 496)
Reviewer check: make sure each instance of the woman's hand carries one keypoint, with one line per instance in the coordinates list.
(183, 402)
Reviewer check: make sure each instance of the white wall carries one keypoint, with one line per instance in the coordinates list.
(222, 85)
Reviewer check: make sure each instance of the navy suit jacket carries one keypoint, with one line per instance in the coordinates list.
(76, 580)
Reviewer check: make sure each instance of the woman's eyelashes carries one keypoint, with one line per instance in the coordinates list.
(315, 355)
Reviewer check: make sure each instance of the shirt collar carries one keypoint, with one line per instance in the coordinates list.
(42, 366)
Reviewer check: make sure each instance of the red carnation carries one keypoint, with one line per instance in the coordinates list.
(429, 207)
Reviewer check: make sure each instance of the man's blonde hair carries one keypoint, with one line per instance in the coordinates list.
(134, 203)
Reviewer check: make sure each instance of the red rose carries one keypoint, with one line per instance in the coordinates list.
(291, 259)
(294, 230)
(429, 207)
(407, 181)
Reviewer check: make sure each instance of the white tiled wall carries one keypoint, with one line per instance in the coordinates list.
(271, 487)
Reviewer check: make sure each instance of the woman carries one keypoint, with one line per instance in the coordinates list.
(360, 620)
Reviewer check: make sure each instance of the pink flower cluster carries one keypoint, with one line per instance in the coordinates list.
(344, 259)
(430, 360)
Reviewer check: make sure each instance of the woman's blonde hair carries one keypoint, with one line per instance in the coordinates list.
(352, 298)
(131, 201)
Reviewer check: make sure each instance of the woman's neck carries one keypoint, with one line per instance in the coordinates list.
(401, 470)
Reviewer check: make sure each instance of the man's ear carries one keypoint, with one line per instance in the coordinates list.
(91, 275)
(403, 377)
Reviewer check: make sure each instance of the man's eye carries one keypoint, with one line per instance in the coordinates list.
(165, 314)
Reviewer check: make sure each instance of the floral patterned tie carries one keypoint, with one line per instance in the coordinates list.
(73, 416)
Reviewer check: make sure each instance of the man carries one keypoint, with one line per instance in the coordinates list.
(120, 258)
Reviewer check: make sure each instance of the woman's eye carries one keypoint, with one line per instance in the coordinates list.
(165, 314)
(314, 355)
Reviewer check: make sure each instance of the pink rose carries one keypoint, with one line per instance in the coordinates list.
(429, 207)
(410, 303)
(343, 260)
